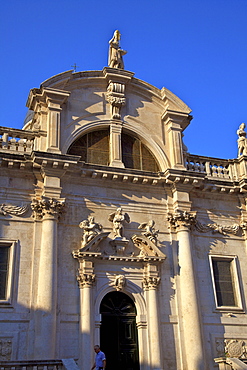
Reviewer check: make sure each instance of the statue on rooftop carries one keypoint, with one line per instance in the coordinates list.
(115, 59)
(242, 144)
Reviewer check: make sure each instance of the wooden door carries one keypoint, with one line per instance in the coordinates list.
(118, 333)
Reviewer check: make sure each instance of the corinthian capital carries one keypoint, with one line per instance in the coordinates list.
(151, 282)
(182, 219)
(47, 207)
(85, 280)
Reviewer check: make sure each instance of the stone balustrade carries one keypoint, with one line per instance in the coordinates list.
(14, 140)
(212, 167)
(32, 365)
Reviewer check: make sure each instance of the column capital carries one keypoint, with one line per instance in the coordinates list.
(151, 282)
(182, 220)
(47, 208)
(85, 280)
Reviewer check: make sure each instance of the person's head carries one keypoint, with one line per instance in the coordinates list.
(96, 348)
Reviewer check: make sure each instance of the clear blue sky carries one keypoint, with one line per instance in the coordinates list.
(195, 48)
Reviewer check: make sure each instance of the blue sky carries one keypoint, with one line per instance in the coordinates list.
(195, 48)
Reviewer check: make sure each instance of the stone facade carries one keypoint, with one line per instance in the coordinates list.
(75, 230)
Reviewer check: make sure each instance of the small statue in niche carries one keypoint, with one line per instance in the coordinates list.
(115, 59)
(90, 230)
(118, 219)
(150, 231)
(241, 140)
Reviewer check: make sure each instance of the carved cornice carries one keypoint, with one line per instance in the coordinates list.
(47, 207)
(85, 280)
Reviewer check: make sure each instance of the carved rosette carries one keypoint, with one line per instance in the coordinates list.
(85, 280)
(151, 282)
(47, 207)
(182, 219)
(116, 97)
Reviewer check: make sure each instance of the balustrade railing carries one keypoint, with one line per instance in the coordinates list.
(15, 140)
(32, 365)
(212, 167)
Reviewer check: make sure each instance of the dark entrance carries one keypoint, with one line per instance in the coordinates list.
(118, 333)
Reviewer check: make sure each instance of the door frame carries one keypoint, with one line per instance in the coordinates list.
(137, 296)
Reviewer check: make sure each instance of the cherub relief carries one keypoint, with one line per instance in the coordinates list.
(150, 231)
(90, 229)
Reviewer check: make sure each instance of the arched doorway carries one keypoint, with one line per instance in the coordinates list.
(118, 333)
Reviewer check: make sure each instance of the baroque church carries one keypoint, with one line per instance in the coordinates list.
(112, 233)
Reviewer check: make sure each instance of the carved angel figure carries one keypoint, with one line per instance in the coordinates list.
(150, 231)
(118, 219)
(90, 229)
(115, 59)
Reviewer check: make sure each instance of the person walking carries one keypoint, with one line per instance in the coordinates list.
(100, 360)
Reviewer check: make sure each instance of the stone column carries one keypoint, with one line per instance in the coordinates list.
(191, 338)
(175, 122)
(86, 279)
(151, 282)
(115, 144)
(48, 210)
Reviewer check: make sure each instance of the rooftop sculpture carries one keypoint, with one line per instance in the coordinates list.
(241, 140)
(115, 59)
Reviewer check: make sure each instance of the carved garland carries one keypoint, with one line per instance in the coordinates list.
(188, 219)
(6, 209)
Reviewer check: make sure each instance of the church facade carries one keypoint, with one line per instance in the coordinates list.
(111, 233)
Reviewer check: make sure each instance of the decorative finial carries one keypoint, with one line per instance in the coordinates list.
(115, 59)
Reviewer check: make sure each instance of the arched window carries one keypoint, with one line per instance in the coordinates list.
(136, 155)
(92, 147)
